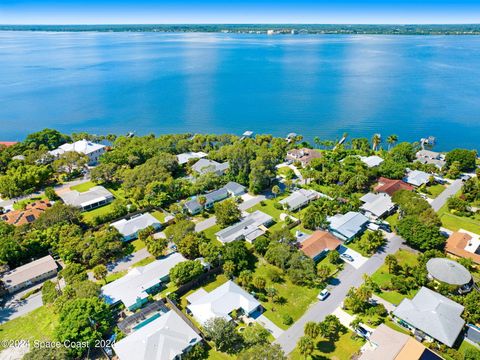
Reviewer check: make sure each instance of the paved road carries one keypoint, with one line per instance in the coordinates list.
(127, 261)
(346, 279)
(211, 221)
(451, 190)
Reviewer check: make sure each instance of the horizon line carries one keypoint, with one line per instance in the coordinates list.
(227, 24)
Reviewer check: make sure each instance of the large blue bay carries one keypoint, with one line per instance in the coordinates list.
(412, 86)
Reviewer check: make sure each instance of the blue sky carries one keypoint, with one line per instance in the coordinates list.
(238, 11)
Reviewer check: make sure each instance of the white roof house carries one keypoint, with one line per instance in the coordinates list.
(132, 289)
(417, 177)
(130, 228)
(377, 205)
(249, 228)
(221, 302)
(185, 157)
(91, 149)
(299, 198)
(348, 225)
(86, 200)
(434, 314)
(164, 338)
(204, 166)
(371, 161)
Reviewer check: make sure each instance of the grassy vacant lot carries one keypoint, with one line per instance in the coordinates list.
(382, 277)
(83, 187)
(298, 298)
(36, 325)
(454, 222)
(343, 349)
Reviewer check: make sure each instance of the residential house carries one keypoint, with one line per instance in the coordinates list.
(348, 225)
(319, 243)
(221, 302)
(377, 205)
(451, 273)
(235, 189)
(7, 143)
(204, 166)
(464, 244)
(134, 288)
(389, 186)
(388, 344)
(371, 161)
(87, 200)
(28, 215)
(430, 315)
(299, 199)
(417, 177)
(29, 274)
(185, 157)
(91, 149)
(129, 228)
(304, 155)
(193, 206)
(167, 337)
(431, 157)
(249, 228)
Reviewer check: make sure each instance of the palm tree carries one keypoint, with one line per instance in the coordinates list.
(306, 346)
(275, 190)
(202, 200)
(376, 140)
(392, 139)
(391, 261)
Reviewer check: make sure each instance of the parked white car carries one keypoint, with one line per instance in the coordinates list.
(323, 294)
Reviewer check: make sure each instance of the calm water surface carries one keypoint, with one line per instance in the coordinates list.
(312, 85)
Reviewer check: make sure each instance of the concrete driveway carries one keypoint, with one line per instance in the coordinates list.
(451, 190)
(269, 325)
(358, 259)
(15, 307)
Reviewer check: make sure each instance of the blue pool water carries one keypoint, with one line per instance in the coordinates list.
(147, 321)
(412, 86)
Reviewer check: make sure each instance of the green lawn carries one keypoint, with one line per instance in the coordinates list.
(382, 277)
(269, 208)
(20, 205)
(396, 327)
(454, 222)
(144, 262)
(36, 325)
(217, 355)
(392, 220)
(90, 215)
(159, 215)
(343, 349)
(286, 171)
(298, 298)
(354, 244)
(83, 187)
(210, 232)
(115, 276)
(209, 286)
(137, 245)
(434, 190)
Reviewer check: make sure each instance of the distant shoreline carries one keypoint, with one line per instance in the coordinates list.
(270, 29)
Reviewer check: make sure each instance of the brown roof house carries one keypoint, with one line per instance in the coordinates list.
(29, 274)
(303, 155)
(389, 186)
(30, 214)
(464, 244)
(319, 244)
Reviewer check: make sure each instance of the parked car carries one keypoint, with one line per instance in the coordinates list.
(361, 331)
(465, 177)
(373, 226)
(323, 294)
(385, 227)
(346, 257)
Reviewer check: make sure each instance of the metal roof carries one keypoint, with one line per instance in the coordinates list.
(448, 271)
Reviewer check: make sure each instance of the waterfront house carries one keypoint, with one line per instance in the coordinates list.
(185, 157)
(431, 157)
(29, 274)
(28, 215)
(221, 302)
(299, 199)
(249, 228)
(417, 177)
(87, 200)
(347, 226)
(167, 337)
(91, 149)
(318, 244)
(204, 166)
(430, 315)
(389, 186)
(304, 155)
(371, 161)
(134, 288)
(377, 205)
(129, 228)
(464, 244)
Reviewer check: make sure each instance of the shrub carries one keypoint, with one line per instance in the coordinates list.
(287, 319)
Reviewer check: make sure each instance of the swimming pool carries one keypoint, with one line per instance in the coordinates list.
(147, 321)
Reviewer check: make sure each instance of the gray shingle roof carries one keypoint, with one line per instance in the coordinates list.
(29, 271)
(377, 204)
(434, 314)
(234, 188)
(204, 166)
(349, 224)
(135, 224)
(82, 199)
(248, 228)
(300, 198)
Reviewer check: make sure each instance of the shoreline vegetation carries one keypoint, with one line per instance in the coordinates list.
(271, 29)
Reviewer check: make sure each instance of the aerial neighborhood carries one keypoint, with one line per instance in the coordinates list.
(203, 246)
